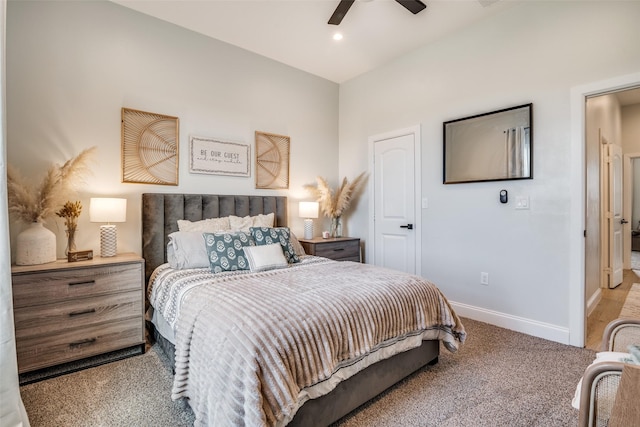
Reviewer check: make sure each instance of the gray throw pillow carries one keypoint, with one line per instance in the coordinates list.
(225, 251)
(268, 236)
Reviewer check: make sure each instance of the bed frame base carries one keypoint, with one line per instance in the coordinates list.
(365, 385)
(353, 392)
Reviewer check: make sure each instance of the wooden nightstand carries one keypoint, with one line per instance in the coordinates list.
(65, 311)
(339, 248)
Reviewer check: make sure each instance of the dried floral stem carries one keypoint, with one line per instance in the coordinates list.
(70, 212)
(34, 204)
(335, 203)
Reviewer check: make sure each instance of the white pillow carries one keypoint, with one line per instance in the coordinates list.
(186, 249)
(209, 225)
(265, 257)
(243, 224)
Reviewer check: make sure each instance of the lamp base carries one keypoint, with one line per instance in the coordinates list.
(308, 228)
(108, 240)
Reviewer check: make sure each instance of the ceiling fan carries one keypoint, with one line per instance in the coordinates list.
(413, 6)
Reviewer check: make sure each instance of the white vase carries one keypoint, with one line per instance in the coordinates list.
(35, 245)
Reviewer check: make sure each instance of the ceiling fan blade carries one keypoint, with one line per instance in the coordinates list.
(413, 6)
(340, 11)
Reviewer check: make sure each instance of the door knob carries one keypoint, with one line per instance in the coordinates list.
(408, 226)
(624, 221)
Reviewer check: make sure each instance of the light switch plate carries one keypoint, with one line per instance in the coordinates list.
(425, 203)
(522, 202)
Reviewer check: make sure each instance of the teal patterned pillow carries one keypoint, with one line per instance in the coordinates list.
(225, 251)
(268, 236)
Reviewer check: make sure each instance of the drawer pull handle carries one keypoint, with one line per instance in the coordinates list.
(84, 282)
(338, 249)
(88, 341)
(79, 313)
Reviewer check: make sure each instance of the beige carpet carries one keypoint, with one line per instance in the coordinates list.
(498, 378)
(631, 307)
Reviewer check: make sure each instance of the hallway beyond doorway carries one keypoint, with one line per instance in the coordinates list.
(635, 261)
(608, 308)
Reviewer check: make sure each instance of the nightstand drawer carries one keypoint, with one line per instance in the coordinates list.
(339, 250)
(43, 351)
(46, 287)
(74, 313)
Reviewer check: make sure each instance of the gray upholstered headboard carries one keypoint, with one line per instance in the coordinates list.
(160, 213)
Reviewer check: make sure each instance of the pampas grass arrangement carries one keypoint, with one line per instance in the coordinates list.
(335, 203)
(34, 204)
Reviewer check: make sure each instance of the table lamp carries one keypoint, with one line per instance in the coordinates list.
(308, 210)
(106, 209)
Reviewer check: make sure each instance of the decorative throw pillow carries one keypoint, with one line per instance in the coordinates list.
(186, 249)
(225, 251)
(209, 225)
(265, 257)
(297, 247)
(245, 223)
(268, 236)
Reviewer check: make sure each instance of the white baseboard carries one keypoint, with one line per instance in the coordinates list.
(514, 323)
(593, 301)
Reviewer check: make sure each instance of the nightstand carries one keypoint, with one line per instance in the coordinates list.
(338, 248)
(66, 311)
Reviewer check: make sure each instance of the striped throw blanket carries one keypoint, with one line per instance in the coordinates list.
(252, 348)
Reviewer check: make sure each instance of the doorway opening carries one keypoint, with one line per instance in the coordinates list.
(612, 124)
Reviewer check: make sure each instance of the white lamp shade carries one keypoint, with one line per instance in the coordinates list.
(107, 209)
(308, 210)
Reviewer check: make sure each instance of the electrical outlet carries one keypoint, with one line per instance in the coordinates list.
(484, 278)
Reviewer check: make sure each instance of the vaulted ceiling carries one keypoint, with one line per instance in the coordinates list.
(296, 33)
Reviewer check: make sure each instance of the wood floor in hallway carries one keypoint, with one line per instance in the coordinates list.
(608, 309)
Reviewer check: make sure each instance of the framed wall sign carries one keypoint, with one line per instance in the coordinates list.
(149, 148)
(219, 157)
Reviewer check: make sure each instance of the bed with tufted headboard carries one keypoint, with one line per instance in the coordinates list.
(160, 213)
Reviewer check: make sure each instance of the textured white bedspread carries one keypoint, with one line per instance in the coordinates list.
(252, 348)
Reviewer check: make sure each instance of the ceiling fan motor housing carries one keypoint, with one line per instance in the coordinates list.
(413, 6)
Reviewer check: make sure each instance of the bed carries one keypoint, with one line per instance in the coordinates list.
(272, 387)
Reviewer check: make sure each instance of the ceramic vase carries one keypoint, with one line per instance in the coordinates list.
(35, 245)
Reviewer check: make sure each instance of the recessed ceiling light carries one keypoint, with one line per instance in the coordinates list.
(337, 36)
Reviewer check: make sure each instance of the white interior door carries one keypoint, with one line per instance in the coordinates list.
(616, 237)
(396, 219)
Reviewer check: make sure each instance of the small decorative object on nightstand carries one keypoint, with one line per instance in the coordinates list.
(70, 212)
(69, 311)
(339, 249)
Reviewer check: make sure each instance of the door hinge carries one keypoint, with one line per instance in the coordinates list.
(607, 270)
(584, 233)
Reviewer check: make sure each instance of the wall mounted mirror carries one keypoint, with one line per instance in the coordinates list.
(494, 146)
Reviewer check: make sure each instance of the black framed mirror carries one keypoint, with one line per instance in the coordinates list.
(495, 146)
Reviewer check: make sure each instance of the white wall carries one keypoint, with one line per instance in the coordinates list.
(533, 52)
(631, 144)
(73, 65)
(630, 117)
